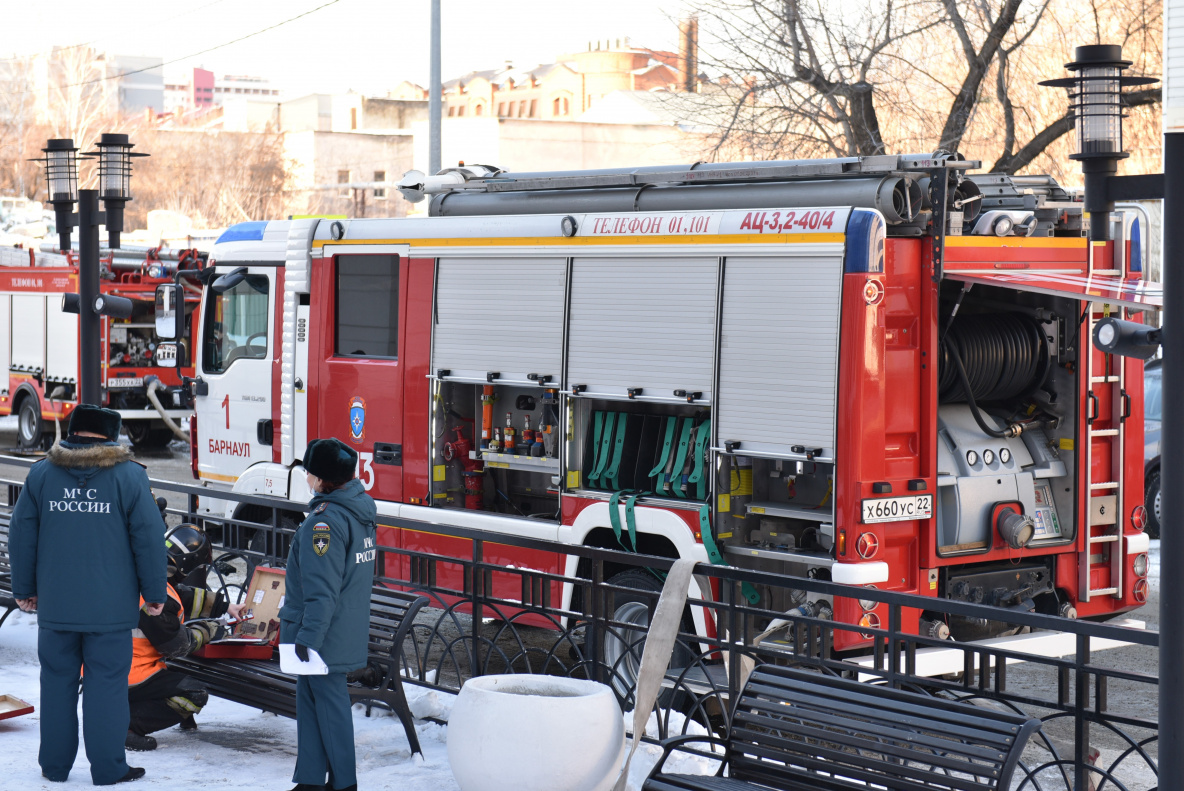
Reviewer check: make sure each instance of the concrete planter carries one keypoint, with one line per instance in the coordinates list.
(535, 733)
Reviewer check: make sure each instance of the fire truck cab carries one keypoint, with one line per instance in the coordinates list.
(876, 371)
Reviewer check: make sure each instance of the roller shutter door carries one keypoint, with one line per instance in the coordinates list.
(500, 315)
(61, 332)
(28, 322)
(643, 322)
(5, 340)
(779, 353)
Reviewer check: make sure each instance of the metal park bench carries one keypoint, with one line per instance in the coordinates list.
(7, 602)
(261, 684)
(797, 730)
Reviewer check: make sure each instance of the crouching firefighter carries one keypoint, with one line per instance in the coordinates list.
(161, 698)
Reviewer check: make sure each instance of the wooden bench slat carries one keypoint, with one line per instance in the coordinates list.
(754, 763)
(895, 749)
(984, 721)
(911, 729)
(793, 729)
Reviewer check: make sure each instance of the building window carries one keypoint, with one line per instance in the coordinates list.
(367, 310)
(501, 110)
(343, 178)
(460, 111)
(522, 109)
(534, 108)
(380, 192)
(451, 111)
(353, 118)
(479, 110)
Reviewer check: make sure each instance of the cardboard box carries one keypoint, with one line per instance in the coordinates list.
(13, 707)
(258, 637)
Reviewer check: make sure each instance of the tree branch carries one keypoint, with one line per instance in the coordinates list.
(978, 63)
(1047, 136)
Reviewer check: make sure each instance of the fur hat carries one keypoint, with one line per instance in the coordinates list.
(95, 420)
(331, 460)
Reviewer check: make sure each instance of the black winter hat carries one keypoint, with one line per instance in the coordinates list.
(331, 460)
(95, 420)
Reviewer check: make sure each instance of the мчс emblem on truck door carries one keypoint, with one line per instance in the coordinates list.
(357, 419)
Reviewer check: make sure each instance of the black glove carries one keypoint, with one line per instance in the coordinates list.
(208, 631)
(302, 652)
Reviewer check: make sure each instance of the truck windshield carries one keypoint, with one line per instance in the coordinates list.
(236, 325)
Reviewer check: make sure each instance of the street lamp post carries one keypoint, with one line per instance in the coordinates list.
(61, 174)
(1096, 91)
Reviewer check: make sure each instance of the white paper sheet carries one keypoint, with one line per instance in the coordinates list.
(290, 663)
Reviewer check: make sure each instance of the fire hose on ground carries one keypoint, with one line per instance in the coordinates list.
(151, 385)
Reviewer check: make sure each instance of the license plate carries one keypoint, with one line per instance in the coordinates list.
(125, 381)
(897, 509)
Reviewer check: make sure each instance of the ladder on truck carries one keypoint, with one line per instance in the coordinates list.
(1105, 498)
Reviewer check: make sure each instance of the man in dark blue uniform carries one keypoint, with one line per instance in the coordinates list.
(327, 610)
(85, 543)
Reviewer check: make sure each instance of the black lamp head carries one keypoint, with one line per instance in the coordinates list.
(115, 173)
(1126, 338)
(61, 179)
(1095, 91)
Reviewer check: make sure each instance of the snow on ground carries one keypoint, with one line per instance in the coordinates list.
(238, 747)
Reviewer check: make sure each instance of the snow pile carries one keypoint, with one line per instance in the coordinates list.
(237, 747)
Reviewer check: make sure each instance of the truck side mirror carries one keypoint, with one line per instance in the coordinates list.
(170, 311)
(167, 354)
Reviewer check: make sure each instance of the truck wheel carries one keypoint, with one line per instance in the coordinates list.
(622, 645)
(283, 541)
(1151, 501)
(31, 432)
(144, 434)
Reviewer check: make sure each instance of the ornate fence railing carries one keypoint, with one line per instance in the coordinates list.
(1099, 712)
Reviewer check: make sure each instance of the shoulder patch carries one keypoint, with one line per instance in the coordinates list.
(320, 538)
(320, 508)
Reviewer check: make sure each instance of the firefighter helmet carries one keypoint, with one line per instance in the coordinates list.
(188, 549)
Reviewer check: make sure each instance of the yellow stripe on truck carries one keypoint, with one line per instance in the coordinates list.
(581, 241)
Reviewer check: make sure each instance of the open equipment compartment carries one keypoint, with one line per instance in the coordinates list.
(513, 467)
(1020, 355)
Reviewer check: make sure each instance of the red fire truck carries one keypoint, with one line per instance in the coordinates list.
(39, 343)
(809, 367)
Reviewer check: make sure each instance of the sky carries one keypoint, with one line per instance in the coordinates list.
(362, 45)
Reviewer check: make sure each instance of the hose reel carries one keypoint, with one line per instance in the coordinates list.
(992, 357)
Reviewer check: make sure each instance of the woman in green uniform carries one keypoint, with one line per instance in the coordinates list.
(327, 610)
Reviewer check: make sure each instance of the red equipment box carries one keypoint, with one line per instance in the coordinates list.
(255, 638)
(13, 707)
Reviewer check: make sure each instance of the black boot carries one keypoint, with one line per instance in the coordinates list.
(189, 724)
(133, 773)
(308, 787)
(138, 743)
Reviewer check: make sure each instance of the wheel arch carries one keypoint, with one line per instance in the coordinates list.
(659, 532)
(25, 391)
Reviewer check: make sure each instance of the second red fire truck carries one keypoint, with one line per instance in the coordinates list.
(39, 343)
(804, 367)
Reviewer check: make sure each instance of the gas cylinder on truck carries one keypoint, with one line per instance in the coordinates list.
(508, 434)
(486, 415)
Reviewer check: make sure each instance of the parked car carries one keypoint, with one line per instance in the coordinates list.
(1152, 415)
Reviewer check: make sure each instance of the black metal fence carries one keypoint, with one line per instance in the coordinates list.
(1099, 712)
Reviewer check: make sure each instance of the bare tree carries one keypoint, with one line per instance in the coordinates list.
(216, 178)
(820, 77)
